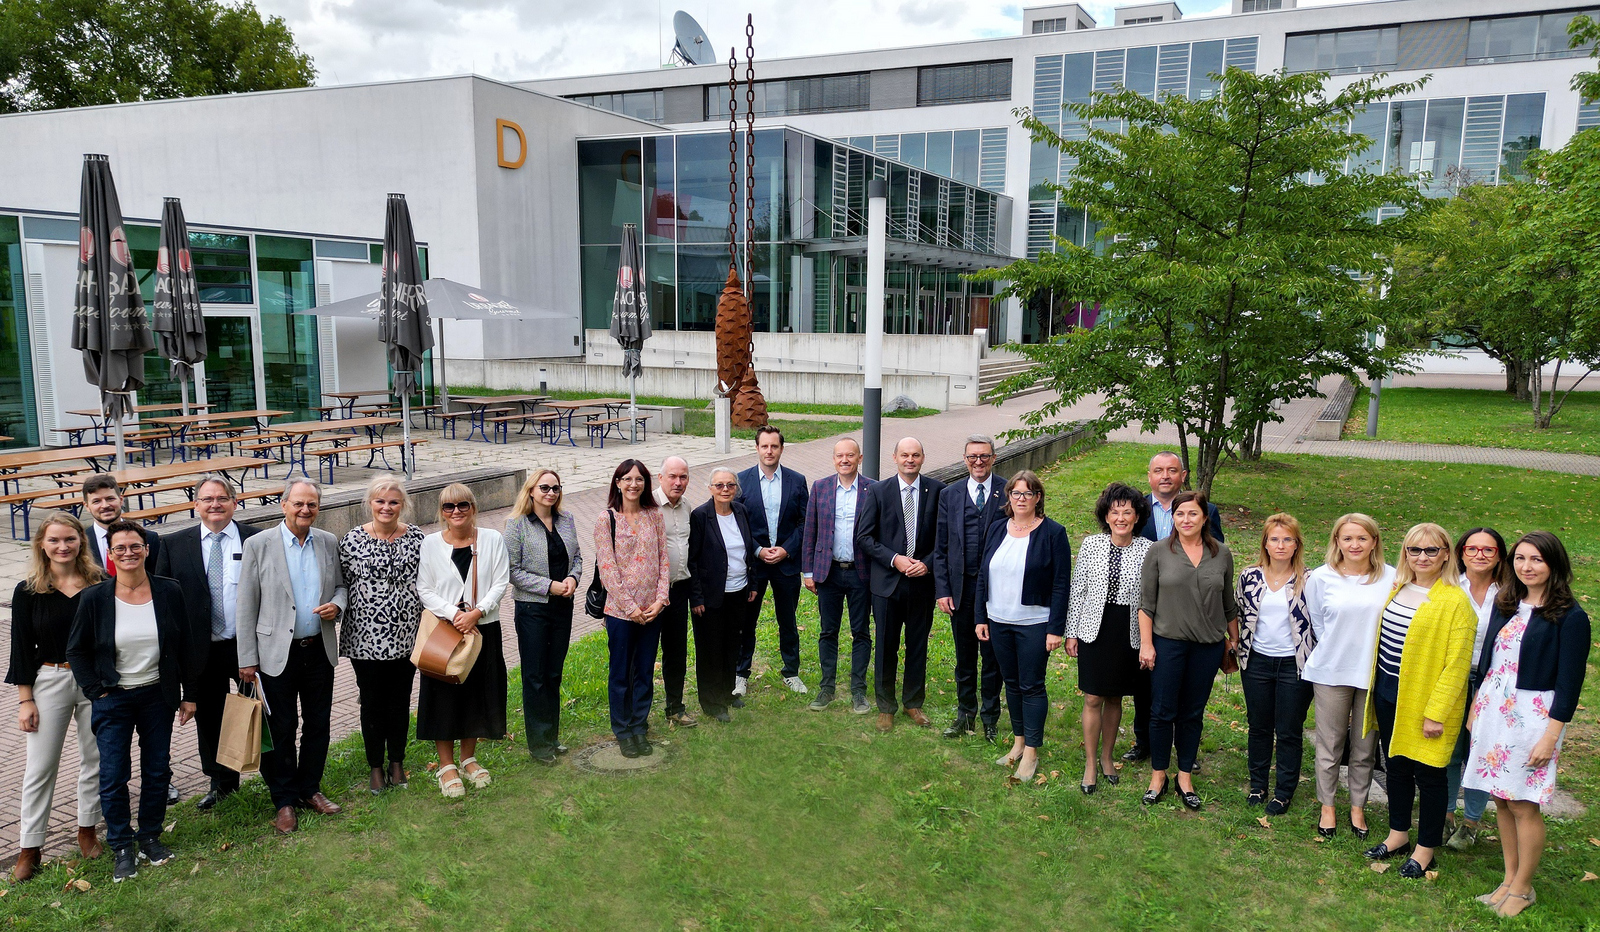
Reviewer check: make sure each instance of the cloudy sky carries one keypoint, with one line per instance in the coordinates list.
(374, 40)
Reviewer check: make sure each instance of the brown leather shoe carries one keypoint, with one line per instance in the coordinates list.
(287, 821)
(89, 842)
(885, 721)
(27, 864)
(916, 716)
(324, 805)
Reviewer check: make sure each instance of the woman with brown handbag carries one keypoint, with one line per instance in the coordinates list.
(464, 572)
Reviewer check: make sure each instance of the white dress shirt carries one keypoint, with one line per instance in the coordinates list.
(1344, 614)
(988, 491)
(232, 548)
(916, 509)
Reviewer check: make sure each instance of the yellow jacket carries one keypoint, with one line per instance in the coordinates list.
(1434, 665)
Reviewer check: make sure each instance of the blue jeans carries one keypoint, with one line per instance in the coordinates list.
(631, 685)
(116, 717)
(1019, 650)
(844, 587)
(1180, 686)
(1474, 801)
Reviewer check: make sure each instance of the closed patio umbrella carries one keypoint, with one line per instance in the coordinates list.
(179, 326)
(403, 312)
(630, 318)
(109, 324)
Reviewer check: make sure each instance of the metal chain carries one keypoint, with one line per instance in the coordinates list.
(733, 160)
(749, 140)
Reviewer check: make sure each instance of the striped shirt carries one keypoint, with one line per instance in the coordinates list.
(1397, 617)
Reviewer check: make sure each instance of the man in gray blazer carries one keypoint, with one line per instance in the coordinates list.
(290, 593)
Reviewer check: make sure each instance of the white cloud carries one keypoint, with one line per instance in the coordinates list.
(374, 40)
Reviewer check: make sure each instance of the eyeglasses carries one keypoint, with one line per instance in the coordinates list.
(215, 500)
(979, 457)
(549, 489)
(1472, 551)
(455, 506)
(1424, 551)
(724, 486)
(124, 550)
(1023, 494)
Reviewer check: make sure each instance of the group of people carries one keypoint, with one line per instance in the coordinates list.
(1464, 660)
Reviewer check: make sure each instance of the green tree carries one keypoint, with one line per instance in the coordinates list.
(1235, 258)
(1453, 282)
(79, 53)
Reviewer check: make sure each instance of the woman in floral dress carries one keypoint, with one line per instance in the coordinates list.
(1533, 661)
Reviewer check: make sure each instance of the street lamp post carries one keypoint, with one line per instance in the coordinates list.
(872, 393)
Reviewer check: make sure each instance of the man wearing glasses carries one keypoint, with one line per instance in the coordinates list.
(206, 559)
(290, 592)
(966, 509)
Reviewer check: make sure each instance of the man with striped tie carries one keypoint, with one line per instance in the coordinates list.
(897, 532)
(205, 559)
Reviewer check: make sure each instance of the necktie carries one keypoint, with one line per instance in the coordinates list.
(911, 520)
(111, 568)
(982, 488)
(219, 620)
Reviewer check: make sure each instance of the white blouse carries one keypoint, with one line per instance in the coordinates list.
(441, 587)
(1273, 637)
(733, 543)
(1344, 614)
(1006, 569)
(138, 645)
(1483, 611)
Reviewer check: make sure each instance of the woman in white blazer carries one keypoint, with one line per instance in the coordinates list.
(464, 572)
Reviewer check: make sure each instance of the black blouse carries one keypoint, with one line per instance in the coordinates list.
(556, 549)
(39, 628)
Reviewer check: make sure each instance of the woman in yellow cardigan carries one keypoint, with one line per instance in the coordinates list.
(1418, 695)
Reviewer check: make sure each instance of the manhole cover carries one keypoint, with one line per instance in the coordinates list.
(607, 759)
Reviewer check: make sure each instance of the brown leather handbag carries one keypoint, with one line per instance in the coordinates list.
(443, 653)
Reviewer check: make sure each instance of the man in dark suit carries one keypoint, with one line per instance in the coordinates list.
(897, 533)
(102, 498)
(966, 509)
(835, 568)
(775, 499)
(1167, 478)
(206, 560)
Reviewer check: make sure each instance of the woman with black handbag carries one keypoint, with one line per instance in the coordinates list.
(722, 552)
(464, 572)
(630, 544)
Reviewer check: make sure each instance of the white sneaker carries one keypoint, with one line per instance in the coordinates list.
(739, 683)
(793, 682)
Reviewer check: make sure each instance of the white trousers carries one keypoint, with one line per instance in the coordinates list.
(60, 701)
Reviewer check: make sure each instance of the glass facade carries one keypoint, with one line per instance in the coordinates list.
(17, 409)
(643, 105)
(285, 269)
(970, 156)
(964, 84)
(806, 255)
(1456, 140)
(1435, 44)
(1524, 38)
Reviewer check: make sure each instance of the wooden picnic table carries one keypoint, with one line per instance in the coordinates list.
(16, 462)
(180, 424)
(135, 476)
(299, 433)
(347, 400)
(568, 408)
(478, 408)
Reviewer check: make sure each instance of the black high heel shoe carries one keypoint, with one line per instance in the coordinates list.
(1360, 833)
(1151, 797)
(1088, 788)
(1381, 851)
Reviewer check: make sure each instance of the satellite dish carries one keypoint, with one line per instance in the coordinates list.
(691, 47)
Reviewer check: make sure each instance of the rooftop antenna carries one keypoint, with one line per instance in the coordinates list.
(690, 45)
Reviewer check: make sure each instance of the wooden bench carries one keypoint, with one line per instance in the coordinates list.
(47, 472)
(599, 427)
(502, 424)
(261, 496)
(158, 513)
(23, 504)
(429, 412)
(74, 434)
(451, 417)
(327, 458)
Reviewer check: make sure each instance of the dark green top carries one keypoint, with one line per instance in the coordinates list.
(1188, 602)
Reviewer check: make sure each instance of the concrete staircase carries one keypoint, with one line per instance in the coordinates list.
(997, 368)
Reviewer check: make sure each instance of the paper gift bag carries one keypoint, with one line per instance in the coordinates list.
(239, 745)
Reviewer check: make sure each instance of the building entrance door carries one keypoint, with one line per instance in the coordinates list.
(233, 363)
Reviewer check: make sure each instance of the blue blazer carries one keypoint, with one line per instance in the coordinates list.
(1554, 655)
(791, 519)
(1147, 530)
(1046, 580)
(950, 549)
(816, 553)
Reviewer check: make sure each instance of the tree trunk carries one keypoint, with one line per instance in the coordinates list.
(1250, 448)
(1517, 376)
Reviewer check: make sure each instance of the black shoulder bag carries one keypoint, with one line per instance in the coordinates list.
(594, 601)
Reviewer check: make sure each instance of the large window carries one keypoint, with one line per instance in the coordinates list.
(285, 267)
(1453, 140)
(1523, 38)
(964, 84)
(17, 418)
(643, 105)
(1041, 26)
(1344, 52)
(834, 93)
(221, 263)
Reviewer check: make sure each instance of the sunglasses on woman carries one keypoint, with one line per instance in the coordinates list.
(1424, 551)
(455, 506)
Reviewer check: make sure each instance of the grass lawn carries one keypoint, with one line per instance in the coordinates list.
(1478, 418)
(787, 819)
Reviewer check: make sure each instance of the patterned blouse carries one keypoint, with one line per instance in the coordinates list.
(635, 574)
(381, 622)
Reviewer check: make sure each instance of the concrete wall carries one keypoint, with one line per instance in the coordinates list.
(1033, 453)
(606, 381)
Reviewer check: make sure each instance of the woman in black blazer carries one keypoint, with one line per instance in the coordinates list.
(1535, 654)
(1024, 586)
(135, 656)
(722, 559)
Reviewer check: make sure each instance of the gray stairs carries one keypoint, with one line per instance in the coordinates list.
(996, 369)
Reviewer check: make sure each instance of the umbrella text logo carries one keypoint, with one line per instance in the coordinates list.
(163, 261)
(119, 247)
(85, 244)
(480, 303)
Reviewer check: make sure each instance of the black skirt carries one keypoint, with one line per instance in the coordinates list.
(474, 709)
(1108, 666)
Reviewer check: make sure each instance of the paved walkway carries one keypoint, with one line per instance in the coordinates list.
(585, 474)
